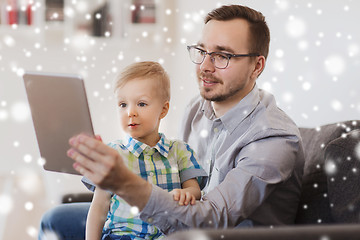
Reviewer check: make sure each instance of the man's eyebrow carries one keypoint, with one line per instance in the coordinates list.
(224, 48)
(218, 48)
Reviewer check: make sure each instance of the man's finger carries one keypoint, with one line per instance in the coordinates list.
(80, 169)
(90, 142)
(90, 153)
(98, 137)
(83, 161)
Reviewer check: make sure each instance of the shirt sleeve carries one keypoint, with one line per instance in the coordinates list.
(88, 184)
(244, 189)
(187, 164)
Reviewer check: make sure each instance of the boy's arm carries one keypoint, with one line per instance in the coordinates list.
(189, 193)
(97, 214)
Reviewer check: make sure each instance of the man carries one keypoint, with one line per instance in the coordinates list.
(250, 149)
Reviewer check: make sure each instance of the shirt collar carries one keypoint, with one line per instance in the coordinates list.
(237, 114)
(136, 147)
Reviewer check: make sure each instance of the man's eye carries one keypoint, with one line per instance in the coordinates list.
(200, 51)
(122, 105)
(220, 56)
(142, 104)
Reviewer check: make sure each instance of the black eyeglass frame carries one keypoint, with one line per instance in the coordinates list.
(229, 55)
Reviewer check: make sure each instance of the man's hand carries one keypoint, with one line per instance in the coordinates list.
(105, 168)
(183, 196)
(96, 161)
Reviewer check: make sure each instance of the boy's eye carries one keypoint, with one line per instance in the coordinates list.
(142, 104)
(122, 105)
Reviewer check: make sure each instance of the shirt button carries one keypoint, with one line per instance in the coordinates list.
(150, 220)
(216, 130)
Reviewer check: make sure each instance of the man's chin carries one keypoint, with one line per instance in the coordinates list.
(211, 97)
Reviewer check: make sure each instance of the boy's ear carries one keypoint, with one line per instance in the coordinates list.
(165, 109)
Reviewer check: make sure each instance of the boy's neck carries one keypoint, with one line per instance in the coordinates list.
(150, 141)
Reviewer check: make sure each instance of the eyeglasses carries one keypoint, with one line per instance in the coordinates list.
(219, 59)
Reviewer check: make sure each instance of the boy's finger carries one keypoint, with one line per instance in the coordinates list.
(176, 195)
(182, 199)
(188, 197)
(193, 200)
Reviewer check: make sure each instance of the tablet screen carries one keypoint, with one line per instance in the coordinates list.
(59, 110)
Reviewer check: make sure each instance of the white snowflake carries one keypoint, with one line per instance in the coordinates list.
(330, 167)
(204, 133)
(20, 112)
(134, 210)
(335, 65)
(296, 27)
(336, 105)
(29, 206)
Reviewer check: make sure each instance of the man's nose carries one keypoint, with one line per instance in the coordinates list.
(208, 64)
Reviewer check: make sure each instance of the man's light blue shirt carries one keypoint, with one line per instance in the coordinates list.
(254, 158)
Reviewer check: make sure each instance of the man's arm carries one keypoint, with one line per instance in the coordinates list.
(262, 189)
(242, 194)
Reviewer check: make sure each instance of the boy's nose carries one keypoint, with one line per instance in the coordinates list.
(132, 112)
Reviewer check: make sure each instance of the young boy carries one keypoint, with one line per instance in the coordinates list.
(143, 95)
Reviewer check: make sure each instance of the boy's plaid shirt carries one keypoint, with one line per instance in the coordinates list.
(168, 164)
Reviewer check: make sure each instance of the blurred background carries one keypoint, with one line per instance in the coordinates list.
(313, 70)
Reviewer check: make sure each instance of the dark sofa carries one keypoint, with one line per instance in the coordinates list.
(329, 207)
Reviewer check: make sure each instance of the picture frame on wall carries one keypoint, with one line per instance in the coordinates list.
(144, 11)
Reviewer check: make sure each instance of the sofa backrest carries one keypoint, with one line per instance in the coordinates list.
(316, 203)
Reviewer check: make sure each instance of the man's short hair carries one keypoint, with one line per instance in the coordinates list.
(260, 33)
(146, 70)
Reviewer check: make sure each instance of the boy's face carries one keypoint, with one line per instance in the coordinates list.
(141, 108)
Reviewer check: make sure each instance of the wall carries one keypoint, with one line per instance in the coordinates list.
(312, 70)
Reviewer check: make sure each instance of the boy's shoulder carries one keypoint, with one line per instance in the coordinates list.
(176, 144)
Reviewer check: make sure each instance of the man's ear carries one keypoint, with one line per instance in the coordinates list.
(165, 109)
(259, 66)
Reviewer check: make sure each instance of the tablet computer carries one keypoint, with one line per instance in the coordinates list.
(59, 110)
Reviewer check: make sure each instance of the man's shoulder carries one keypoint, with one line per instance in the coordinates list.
(269, 118)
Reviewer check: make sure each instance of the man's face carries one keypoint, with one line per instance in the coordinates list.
(235, 81)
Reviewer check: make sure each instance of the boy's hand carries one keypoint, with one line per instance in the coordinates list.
(183, 196)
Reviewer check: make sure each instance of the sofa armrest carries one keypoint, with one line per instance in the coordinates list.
(342, 162)
(77, 197)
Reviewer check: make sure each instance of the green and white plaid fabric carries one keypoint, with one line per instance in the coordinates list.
(167, 165)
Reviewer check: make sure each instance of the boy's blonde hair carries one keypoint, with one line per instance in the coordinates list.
(147, 69)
